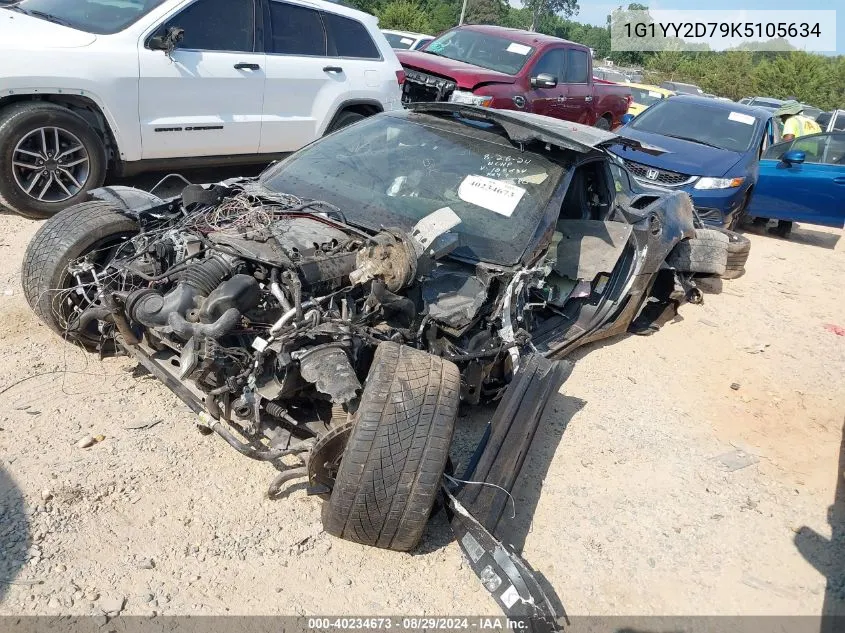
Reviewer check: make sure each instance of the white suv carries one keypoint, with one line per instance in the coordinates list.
(95, 86)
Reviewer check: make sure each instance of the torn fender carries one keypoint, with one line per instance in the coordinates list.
(475, 510)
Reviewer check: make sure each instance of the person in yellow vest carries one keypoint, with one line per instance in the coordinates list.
(795, 125)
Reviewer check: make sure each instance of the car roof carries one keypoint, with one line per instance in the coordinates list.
(518, 35)
(663, 91)
(718, 104)
(416, 36)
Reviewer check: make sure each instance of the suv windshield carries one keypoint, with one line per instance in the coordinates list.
(399, 41)
(93, 16)
(480, 49)
(699, 123)
(395, 169)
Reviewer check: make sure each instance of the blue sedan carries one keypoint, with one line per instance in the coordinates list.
(803, 181)
(712, 151)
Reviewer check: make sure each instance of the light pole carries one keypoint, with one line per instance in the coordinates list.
(463, 12)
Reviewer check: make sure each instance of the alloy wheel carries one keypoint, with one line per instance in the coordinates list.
(50, 164)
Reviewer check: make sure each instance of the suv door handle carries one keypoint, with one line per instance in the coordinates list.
(561, 99)
(332, 69)
(245, 66)
(588, 98)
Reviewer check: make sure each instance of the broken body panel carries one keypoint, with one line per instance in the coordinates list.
(260, 305)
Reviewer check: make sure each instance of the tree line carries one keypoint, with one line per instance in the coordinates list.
(814, 79)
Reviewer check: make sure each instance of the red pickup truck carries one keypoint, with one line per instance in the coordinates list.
(512, 69)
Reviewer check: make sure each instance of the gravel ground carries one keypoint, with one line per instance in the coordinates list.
(653, 487)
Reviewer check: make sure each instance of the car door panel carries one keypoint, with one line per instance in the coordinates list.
(203, 101)
(809, 192)
(550, 101)
(578, 105)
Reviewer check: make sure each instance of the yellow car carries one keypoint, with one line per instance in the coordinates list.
(645, 95)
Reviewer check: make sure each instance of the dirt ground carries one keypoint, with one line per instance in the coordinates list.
(653, 487)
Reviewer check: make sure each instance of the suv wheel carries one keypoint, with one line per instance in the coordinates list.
(345, 119)
(49, 159)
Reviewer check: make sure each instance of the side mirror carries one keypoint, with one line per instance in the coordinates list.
(544, 80)
(793, 157)
(626, 119)
(168, 41)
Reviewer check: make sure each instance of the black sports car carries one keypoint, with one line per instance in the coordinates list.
(337, 310)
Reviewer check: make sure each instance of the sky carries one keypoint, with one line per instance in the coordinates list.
(597, 12)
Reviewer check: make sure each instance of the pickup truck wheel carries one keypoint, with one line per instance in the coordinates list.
(707, 252)
(93, 229)
(391, 469)
(603, 123)
(49, 159)
(345, 119)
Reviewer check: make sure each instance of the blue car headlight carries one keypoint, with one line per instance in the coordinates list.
(718, 183)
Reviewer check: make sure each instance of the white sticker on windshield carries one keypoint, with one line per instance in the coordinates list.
(407, 40)
(519, 49)
(493, 195)
(739, 117)
(655, 94)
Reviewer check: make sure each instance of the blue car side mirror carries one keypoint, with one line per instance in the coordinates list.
(626, 119)
(793, 157)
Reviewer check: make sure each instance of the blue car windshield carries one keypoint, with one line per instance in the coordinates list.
(93, 16)
(392, 170)
(699, 123)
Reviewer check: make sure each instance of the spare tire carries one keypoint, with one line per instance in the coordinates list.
(391, 469)
(707, 252)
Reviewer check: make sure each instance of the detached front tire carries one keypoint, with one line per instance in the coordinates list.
(50, 158)
(391, 469)
(93, 229)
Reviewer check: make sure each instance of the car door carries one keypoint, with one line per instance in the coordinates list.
(578, 104)
(204, 98)
(315, 61)
(812, 192)
(549, 101)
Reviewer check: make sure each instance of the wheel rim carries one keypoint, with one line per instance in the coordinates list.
(77, 289)
(50, 164)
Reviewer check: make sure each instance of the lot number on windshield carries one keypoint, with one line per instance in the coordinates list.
(493, 195)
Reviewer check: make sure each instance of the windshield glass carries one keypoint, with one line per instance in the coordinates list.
(93, 16)
(701, 123)
(645, 97)
(393, 170)
(763, 103)
(482, 49)
(399, 41)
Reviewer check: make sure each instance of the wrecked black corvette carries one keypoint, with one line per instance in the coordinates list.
(331, 315)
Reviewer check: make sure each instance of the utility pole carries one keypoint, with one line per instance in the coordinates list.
(463, 12)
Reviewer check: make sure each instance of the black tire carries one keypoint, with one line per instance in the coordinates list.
(16, 122)
(707, 252)
(345, 119)
(391, 469)
(603, 123)
(739, 248)
(66, 236)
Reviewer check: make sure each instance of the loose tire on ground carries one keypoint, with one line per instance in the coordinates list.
(707, 252)
(390, 472)
(739, 248)
(64, 237)
(16, 122)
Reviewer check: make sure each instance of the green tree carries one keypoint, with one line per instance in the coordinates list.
(404, 15)
(540, 8)
(485, 12)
